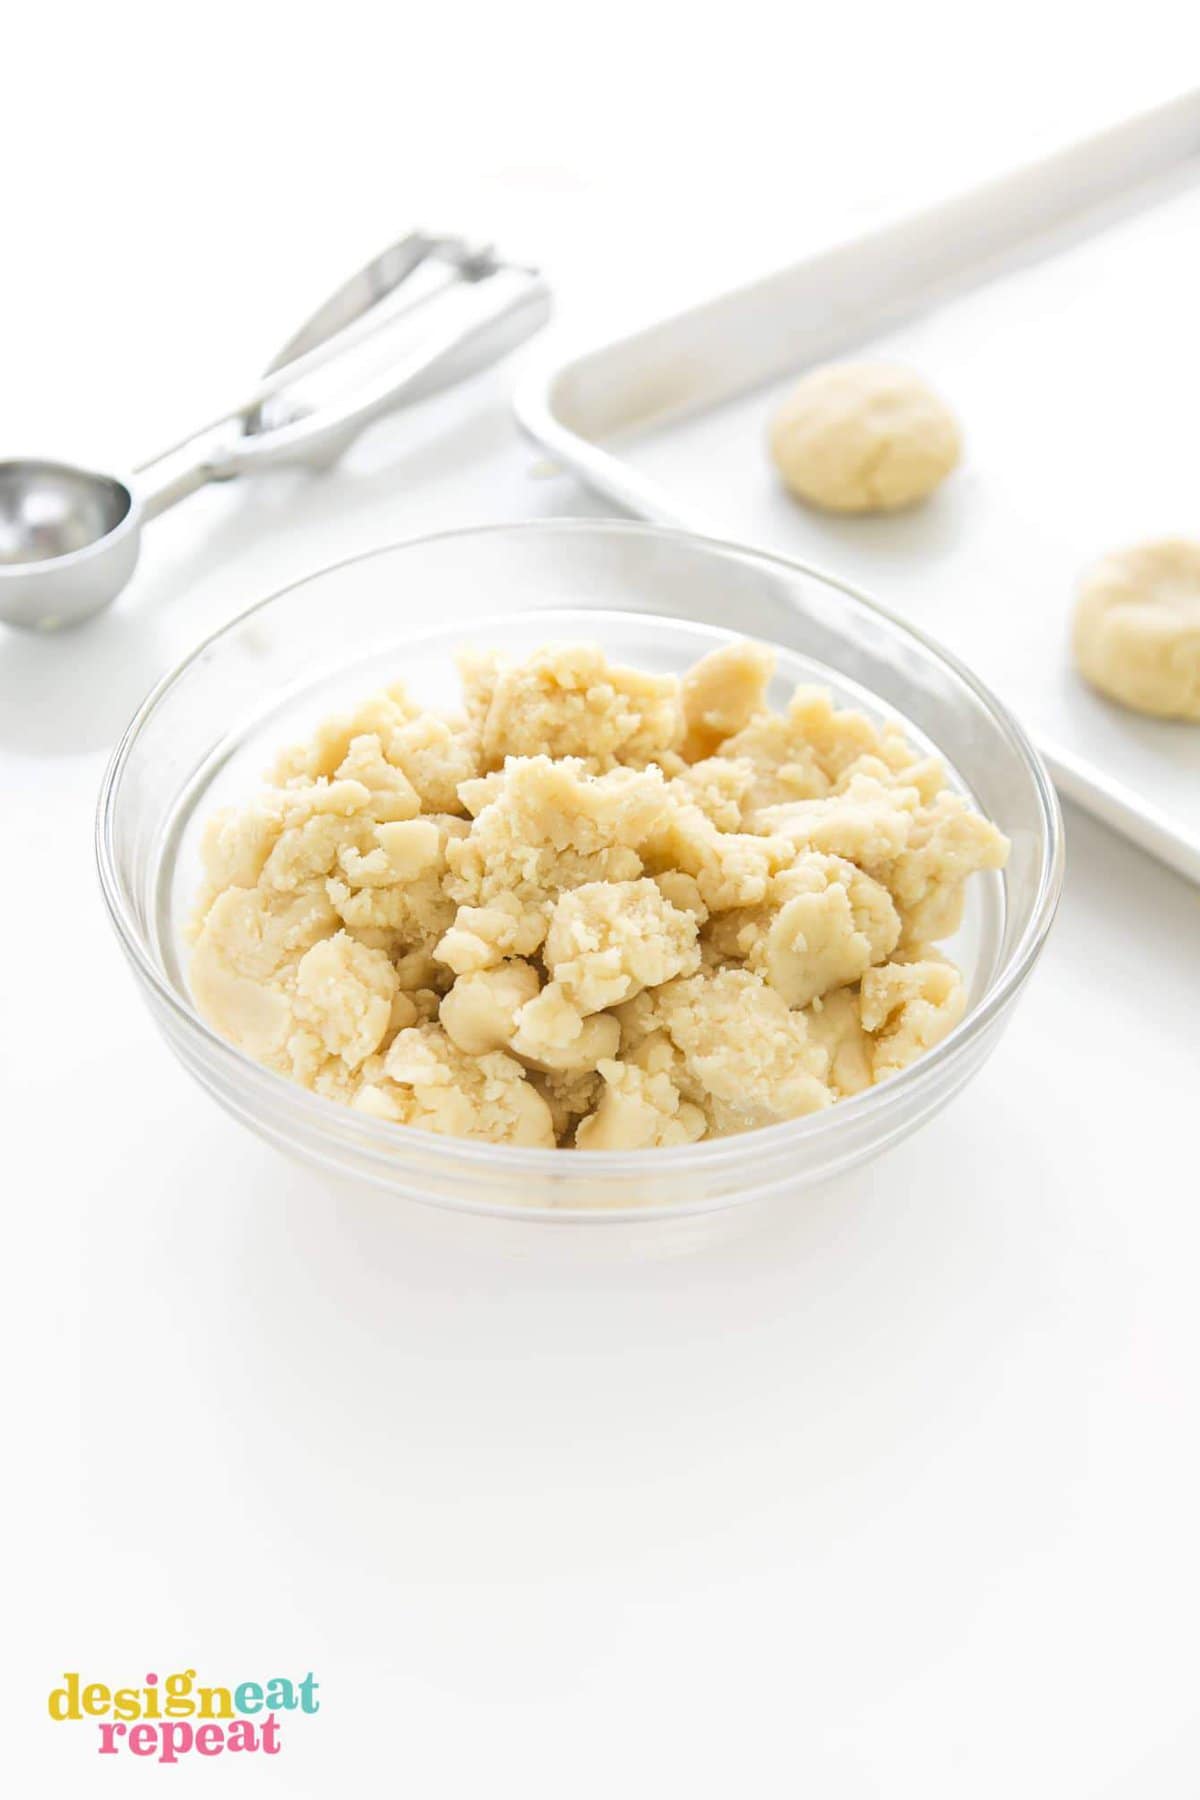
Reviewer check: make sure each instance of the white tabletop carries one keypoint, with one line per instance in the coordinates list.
(891, 1490)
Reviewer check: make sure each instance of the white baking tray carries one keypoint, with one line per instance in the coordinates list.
(1058, 309)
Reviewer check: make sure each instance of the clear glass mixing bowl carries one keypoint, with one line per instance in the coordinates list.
(652, 597)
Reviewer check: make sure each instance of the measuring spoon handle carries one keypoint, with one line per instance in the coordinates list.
(485, 319)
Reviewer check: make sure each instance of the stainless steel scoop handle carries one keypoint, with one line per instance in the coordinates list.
(361, 295)
(486, 309)
(489, 318)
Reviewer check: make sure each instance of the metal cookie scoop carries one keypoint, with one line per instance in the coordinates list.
(69, 537)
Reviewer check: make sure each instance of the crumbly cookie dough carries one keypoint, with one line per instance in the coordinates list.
(860, 437)
(601, 909)
(1137, 628)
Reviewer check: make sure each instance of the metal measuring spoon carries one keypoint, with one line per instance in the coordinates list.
(69, 537)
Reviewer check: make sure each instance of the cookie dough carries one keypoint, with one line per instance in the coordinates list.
(861, 437)
(600, 909)
(1137, 628)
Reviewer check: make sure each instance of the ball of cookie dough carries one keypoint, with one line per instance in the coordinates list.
(863, 437)
(1137, 628)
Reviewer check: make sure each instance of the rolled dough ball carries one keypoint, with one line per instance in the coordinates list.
(1137, 628)
(863, 437)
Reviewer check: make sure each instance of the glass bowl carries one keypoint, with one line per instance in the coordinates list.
(653, 597)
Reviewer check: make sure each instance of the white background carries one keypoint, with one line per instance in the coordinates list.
(893, 1491)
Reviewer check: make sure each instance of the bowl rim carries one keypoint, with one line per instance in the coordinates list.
(380, 1135)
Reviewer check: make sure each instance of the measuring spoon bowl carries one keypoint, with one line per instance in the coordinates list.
(69, 542)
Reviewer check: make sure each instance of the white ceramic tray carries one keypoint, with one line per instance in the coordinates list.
(1058, 309)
